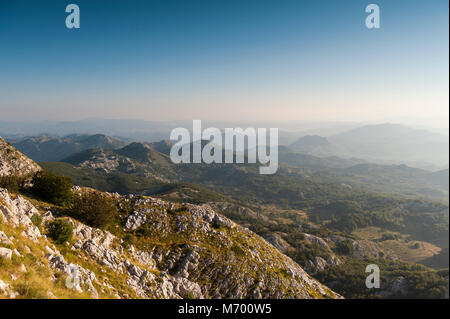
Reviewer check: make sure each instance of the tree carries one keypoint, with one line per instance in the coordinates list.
(94, 209)
(53, 188)
(60, 230)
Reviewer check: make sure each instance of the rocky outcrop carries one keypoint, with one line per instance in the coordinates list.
(361, 248)
(18, 211)
(188, 251)
(6, 290)
(316, 241)
(14, 163)
(278, 242)
(397, 286)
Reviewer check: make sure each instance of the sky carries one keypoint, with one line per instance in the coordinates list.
(225, 60)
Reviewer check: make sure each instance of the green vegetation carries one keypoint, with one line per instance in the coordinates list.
(11, 183)
(116, 182)
(94, 209)
(344, 248)
(283, 202)
(349, 279)
(438, 261)
(53, 188)
(237, 250)
(36, 219)
(60, 230)
(326, 200)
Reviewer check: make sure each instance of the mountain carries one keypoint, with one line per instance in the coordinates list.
(317, 146)
(298, 159)
(360, 192)
(12, 162)
(148, 248)
(52, 149)
(186, 252)
(163, 146)
(318, 223)
(394, 143)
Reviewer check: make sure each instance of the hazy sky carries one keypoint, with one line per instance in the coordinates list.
(224, 60)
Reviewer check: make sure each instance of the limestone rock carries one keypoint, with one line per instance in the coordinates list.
(5, 253)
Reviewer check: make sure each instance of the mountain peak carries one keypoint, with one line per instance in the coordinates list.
(315, 145)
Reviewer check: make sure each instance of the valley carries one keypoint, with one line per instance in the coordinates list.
(329, 214)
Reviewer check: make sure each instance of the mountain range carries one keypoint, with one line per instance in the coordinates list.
(382, 143)
(328, 218)
(156, 249)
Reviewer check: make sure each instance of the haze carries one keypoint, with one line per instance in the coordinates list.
(223, 60)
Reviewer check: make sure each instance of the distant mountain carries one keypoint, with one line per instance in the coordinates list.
(163, 146)
(393, 143)
(382, 144)
(316, 145)
(288, 156)
(51, 149)
(440, 178)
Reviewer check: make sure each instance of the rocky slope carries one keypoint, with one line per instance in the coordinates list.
(12, 162)
(158, 249)
(188, 251)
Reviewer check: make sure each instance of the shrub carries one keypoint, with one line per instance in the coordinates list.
(344, 248)
(188, 295)
(36, 219)
(11, 183)
(60, 230)
(238, 251)
(53, 188)
(93, 209)
(128, 240)
(31, 290)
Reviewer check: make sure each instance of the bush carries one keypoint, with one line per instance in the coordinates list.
(60, 230)
(36, 219)
(31, 290)
(53, 188)
(344, 248)
(11, 183)
(93, 209)
(128, 240)
(238, 251)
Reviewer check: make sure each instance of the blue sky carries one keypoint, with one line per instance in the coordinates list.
(258, 60)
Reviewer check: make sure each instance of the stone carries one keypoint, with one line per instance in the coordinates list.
(5, 239)
(6, 253)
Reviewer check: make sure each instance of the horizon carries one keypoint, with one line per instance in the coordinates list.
(293, 126)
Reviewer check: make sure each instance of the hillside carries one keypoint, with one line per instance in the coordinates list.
(47, 148)
(316, 232)
(180, 251)
(291, 157)
(317, 145)
(146, 248)
(12, 162)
